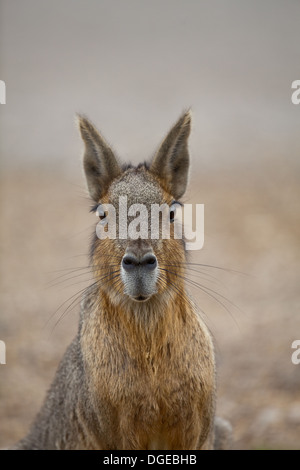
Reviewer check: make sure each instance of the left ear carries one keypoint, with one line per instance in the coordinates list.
(99, 162)
(171, 162)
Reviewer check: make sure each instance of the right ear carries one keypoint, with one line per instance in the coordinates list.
(99, 162)
(171, 162)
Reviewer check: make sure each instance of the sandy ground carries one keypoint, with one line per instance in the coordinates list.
(251, 226)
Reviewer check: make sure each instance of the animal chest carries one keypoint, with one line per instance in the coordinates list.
(159, 402)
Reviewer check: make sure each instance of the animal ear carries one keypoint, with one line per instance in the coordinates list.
(99, 162)
(171, 161)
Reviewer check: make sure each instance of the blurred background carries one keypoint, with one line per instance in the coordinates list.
(132, 67)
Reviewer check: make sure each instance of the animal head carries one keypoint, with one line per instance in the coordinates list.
(140, 267)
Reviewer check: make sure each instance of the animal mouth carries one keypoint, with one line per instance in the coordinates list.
(141, 298)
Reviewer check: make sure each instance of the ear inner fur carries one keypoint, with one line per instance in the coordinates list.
(171, 161)
(99, 161)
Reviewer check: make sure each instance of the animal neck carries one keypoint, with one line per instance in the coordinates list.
(162, 312)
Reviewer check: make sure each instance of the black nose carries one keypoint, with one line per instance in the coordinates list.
(130, 262)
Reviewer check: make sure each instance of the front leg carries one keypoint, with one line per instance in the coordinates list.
(223, 434)
(220, 436)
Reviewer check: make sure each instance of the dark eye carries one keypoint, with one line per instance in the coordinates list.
(172, 212)
(173, 209)
(101, 213)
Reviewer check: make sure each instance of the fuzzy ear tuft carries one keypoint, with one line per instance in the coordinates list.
(171, 161)
(99, 162)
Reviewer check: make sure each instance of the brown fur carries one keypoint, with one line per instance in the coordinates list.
(139, 375)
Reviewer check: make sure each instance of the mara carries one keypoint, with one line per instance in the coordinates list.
(140, 373)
